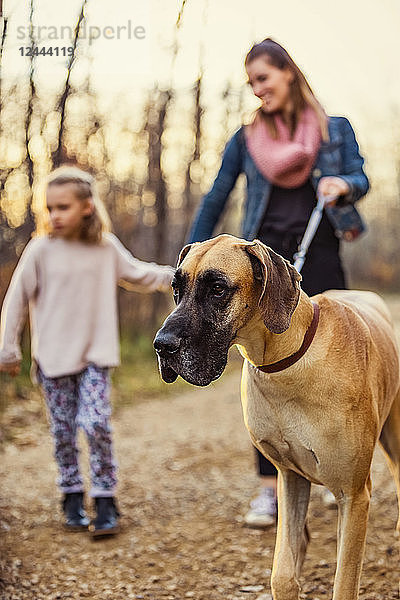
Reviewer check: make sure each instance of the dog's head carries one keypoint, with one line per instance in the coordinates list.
(219, 286)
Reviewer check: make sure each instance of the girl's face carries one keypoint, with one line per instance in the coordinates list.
(66, 210)
(271, 85)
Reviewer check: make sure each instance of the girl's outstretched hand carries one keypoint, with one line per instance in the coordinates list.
(12, 369)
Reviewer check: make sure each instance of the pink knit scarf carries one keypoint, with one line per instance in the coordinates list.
(285, 162)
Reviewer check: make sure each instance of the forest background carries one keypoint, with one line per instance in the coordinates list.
(145, 95)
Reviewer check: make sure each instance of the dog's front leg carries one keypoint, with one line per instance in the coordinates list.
(352, 529)
(292, 536)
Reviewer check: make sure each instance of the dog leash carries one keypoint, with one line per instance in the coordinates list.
(311, 229)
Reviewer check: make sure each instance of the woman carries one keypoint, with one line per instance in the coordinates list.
(289, 153)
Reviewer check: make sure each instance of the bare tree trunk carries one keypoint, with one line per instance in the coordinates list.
(2, 43)
(31, 100)
(58, 154)
(29, 224)
(156, 183)
(190, 199)
(180, 14)
(4, 173)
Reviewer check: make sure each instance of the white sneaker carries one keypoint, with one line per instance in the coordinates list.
(328, 499)
(263, 509)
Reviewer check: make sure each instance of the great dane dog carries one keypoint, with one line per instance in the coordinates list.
(320, 385)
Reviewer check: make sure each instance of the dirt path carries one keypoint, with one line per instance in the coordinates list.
(187, 475)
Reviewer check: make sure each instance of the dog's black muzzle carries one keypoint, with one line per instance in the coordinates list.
(167, 344)
(197, 353)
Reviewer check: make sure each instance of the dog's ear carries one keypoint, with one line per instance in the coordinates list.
(280, 288)
(183, 253)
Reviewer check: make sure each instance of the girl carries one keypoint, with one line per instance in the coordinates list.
(69, 278)
(289, 153)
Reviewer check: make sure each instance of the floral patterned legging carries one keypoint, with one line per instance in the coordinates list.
(82, 400)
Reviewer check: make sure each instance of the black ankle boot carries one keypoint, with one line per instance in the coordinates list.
(106, 521)
(76, 518)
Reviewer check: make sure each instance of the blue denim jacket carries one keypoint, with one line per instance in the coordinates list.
(340, 156)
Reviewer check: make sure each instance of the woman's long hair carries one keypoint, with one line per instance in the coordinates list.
(98, 222)
(301, 92)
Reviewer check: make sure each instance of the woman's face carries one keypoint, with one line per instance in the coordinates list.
(270, 84)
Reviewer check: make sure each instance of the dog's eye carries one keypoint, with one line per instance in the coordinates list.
(218, 290)
(175, 292)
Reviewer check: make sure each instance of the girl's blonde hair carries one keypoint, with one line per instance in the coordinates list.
(98, 222)
(301, 92)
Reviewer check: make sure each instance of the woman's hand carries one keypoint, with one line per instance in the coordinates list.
(12, 369)
(333, 187)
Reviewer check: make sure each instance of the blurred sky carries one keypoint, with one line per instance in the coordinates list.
(348, 49)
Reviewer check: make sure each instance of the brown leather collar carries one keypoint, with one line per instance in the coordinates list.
(280, 365)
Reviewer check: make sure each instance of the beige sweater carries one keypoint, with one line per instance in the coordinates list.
(71, 290)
